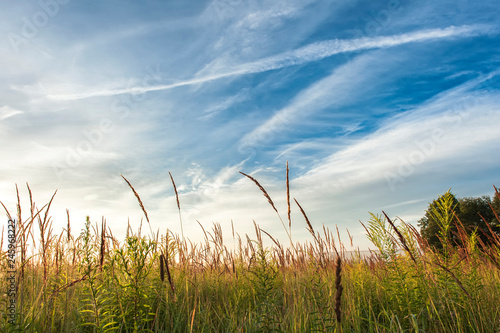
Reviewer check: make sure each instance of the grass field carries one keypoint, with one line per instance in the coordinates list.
(147, 282)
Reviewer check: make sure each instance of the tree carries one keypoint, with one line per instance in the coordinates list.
(437, 224)
(472, 212)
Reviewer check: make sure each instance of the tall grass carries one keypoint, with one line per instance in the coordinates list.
(163, 283)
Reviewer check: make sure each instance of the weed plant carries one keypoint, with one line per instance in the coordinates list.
(165, 283)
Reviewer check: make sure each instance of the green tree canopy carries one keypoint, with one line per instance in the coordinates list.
(439, 224)
(474, 211)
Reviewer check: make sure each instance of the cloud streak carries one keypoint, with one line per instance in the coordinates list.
(8, 112)
(441, 131)
(309, 53)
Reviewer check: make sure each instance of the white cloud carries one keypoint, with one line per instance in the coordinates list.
(7, 112)
(215, 109)
(336, 89)
(309, 53)
(428, 149)
(403, 148)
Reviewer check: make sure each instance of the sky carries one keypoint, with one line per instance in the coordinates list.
(376, 106)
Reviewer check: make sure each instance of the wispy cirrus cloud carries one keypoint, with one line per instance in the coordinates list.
(7, 112)
(337, 88)
(457, 123)
(309, 53)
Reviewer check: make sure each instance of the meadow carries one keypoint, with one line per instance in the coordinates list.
(92, 282)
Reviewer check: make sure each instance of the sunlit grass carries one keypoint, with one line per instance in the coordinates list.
(93, 282)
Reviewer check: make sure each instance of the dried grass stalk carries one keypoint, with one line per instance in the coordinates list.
(138, 198)
(309, 225)
(162, 269)
(401, 237)
(178, 204)
(272, 205)
(175, 190)
(103, 244)
(68, 229)
(262, 189)
(338, 290)
(288, 197)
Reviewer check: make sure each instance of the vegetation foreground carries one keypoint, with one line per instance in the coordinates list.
(164, 283)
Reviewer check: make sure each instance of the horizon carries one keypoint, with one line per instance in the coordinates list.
(375, 106)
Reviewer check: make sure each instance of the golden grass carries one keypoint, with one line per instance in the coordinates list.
(165, 283)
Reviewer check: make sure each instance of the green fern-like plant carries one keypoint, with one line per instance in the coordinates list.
(133, 295)
(264, 279)
(95, 312)
(380, 233)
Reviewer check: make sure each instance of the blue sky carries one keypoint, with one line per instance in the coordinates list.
(377, 105)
